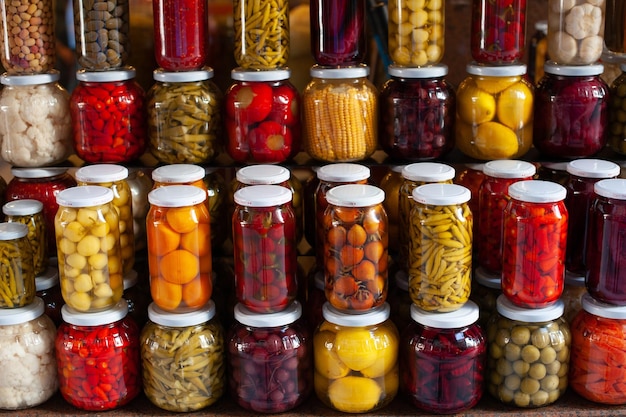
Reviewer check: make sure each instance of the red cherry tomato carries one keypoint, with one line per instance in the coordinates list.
(249, 103)
(285, 106)
(270, 142)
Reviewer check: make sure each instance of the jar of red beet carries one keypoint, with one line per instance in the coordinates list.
(573, 102)
(498, 31)
(262, 116)
(583, 174)
(417, 113)
(535, 222)
(180, 34)
(443, 359)
(108, 116)
(264, 248)
(98, 358)
(270, 357)
(493, 196)
(606, 263)
(47, 288)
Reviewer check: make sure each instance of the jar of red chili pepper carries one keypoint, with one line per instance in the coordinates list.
(262, 116)
(108, 116)
(270, 357)
(493, 196)
(573, 102)
(98, 358)
(417, 113)
(30, 212)
(48, 289)
(17, 277)
(535, 222)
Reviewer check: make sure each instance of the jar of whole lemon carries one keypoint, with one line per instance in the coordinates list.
(494, 112)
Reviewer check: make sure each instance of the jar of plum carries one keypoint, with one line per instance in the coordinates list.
(535, 222)
(417, 111)
(356, 359)
(30, 212)
(355, 247)
(573, 102)
(494, 112)
(270, 359)
(47, 288)
(617, 122)
(17, 277)
(498, 31)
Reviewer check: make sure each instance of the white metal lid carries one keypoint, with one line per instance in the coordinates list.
(111, 315)
(574, 280)
(530, 315)
(551, 67)
(101, 173)
(249, 318)
(339, 73)
(598, 308)
(177, 196)
(12, 230)
(240, 74)
(464, 316)
(263, 195)
(13, 316)
(428, 172)
(106, 76)
(192, 318)
(509, 168)
(25, 207)
(611, 188)
(542, 25)
(355, 195)
(262, 174)
(432, 71)
(537, 191)
(161, 75)
(130, 279)
(178, 173)
(488, 280)
(85, 196)
(48, 279)
(375, 315)
(593, 168)
(496, 71)
(441, 194)
(30, 79)
(32, 173)
(343, 172)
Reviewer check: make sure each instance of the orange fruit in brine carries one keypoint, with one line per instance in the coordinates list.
(182, 219)
(197, 241)
(345, 286)
(197, 292)
(347, 214)
(364, 271)
(206, 264)
(374, 250)
(336, 236)
(179, 266)
(165, 294)
(161, 239)
(357, 235)
(350, 255)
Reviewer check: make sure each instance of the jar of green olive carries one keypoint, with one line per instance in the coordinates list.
(17, 280)
(30, 212)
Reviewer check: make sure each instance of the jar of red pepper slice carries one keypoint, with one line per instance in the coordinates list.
(108, 116)
(535, 222)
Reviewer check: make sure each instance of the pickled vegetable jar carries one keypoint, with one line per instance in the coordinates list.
(181, 32)
(356, 359)
(17, 277)
(88, 248)
(573, 102)
(179, 248)
(535, 222)
(108, 116)
(30, 213)
(355, 247)
(98, 358)
(47, 288)
(529, 352)
(493, 196)
(417, 113)
(617, 119)
(35, 124)
(183, 353)
(416, 32)
(494, 112)
(27, 357)
(340, 113)
(184, 117)
(271, 359)
(443, 359)
(264, 248)
(440, 247)
(390, 184)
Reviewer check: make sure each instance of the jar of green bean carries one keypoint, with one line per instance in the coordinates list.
(17, 278)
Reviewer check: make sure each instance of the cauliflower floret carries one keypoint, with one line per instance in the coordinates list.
(562, 47)
(34, 108)
(583, 21)
(591, 48)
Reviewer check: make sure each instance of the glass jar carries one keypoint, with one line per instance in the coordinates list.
(262, 116)
(440, 247)
(614, 35)
(88, 248)
(178, 174)
(261, 34)
(98, 358)
(181, 31)
(574, 103)
(355, 247)
(184, 117)
(443, 359)
(493, 196)
(179, 248)
(30, 213)
(270, 358)
(264, 248)
(569, 42)
(108, 116)
(356, 359)
(17, 278)
(494, 112)
(538, 51)
(498, 31)
(27, 357)
(101, 30)
(183, 353)
(416, 32)
(471, 177)
(417, 113)
(572, 296)
(486, 289)
(338, 36)
(341, 113)
(48, 289)
(529, 352)
(535, 222)
(138, 300)
(617, 114)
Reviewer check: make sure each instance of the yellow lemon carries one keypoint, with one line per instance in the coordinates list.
(493, 85)
(515, 106)
(390, 382)
(356, 347)
(320, 383)
(474, 105)
(354, 394)
(327, 363)
(464, 139)
(387, 356)
(495, 141)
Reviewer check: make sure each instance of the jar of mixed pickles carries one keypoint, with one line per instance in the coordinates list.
(17, 277)
(617, 119)
(47, 288)
(30, 212)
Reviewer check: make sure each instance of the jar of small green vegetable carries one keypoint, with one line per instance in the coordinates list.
(17, 277)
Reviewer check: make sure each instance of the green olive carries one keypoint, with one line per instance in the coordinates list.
(520, 335)
(512, 382)
(521, 368)
(537, 371)
(504, 367)
(530, 353)
(548, 355)
(505, 394)
(529, 386)
(563, 370)
(512, 352)
(495, 351)
(521, 399)
(502, 337)
(563, 355)
(562, 383)
(541, 338)
(553, 367)
(539, 398)
(550, 382)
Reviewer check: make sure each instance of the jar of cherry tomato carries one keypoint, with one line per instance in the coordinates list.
(181, 32)
(493, 196)
(30, 212)
(494, 112)
(98, 358)
(583, 174)
(108, 116)
(270, 358)
(400, 301)
(179, 248)
(390, 184)
(417, 113)
(498, 31)
(574, 104)
(17, 277)
(486, 289)
(264, 248)
(138, 300)
(262, 116)
(535, 222)
(355, 247)
(356, 359)
(47, 288)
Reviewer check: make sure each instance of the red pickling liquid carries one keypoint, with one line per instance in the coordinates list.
(498, 31)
